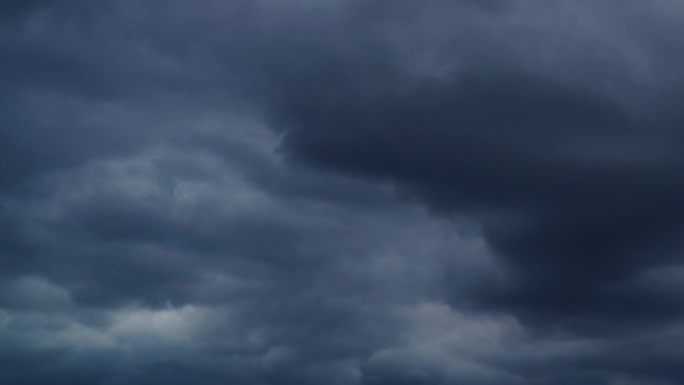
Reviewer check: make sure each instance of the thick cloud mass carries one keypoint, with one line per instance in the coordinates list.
(342, 192)
(515, 155)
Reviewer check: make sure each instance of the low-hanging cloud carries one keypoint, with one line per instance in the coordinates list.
(346, 192)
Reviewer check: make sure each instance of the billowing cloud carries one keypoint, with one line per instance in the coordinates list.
(347, 192)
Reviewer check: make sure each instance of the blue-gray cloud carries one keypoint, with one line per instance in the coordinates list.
(346, 192)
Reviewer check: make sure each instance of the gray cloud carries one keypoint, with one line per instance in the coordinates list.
(347, 192)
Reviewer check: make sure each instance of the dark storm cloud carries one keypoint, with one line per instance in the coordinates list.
(516, 154)
(571, 189)
(346, 192)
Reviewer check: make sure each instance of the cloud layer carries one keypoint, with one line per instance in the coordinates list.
(346, 192)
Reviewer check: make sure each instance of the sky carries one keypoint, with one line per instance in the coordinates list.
(341, 192)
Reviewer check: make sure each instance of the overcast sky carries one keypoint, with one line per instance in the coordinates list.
(341, 192)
